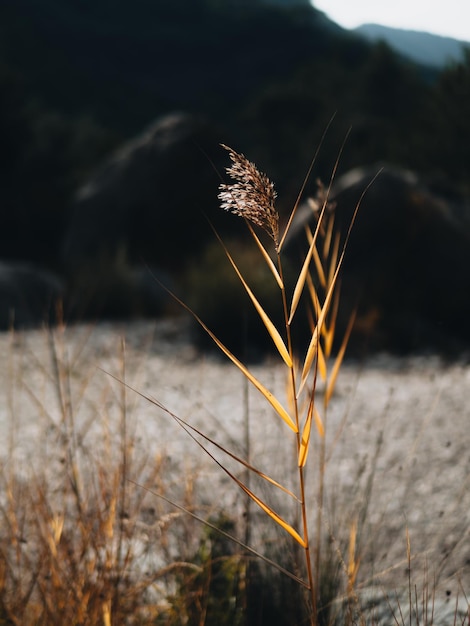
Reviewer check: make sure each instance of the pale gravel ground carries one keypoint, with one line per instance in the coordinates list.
(398, 430)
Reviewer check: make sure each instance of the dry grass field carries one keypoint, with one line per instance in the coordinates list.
(144, 483)
(397, 462)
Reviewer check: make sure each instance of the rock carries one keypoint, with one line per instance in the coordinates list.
(149, 203)
(406, 266)
(151, 196)
(28, 296)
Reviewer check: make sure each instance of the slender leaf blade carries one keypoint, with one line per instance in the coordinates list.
(334, 257)
(277, 406)
(318, 422)
(307, 176)
(267, 258)
(319, 268)
(313, 346)
(339, 359)
(298, 289)
(219, 530)
(322, 367)
(188, 427)
(273, 515)
(280, 410)
(270, 327)
(305, 441)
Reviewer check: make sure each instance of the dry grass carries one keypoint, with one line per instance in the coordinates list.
(251, 196)
(188, 565)
(96, 531)
(79, 544)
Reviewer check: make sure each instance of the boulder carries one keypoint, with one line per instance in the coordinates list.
(28, 296)
(151, 196)
(407, 262)
(152, 202)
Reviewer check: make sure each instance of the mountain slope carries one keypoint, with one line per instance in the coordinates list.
(421, 47)
(119, 61)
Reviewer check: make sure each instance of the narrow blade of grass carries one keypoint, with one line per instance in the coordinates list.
(313, 346)
(322, 367)
(236, 458)
(267, 258)
(353, 563)
(334, 255)
(312, 415)
(304, 184)
(318, 422)
(312, 349)
(321, 356)
(277, 406)
(270, 397)
(265, 507)
(305, 441)
(338, 361)
(186, 426)
(273, 515)
(270, 327)
(223, 533)
(329, 330)
(319, 268)
(299, 287)
(328, 237)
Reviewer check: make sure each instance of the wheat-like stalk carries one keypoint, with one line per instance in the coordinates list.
(251, 196)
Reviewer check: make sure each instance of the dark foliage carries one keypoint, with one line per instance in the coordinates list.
(43, 157)
(79, 77)
(271, 77)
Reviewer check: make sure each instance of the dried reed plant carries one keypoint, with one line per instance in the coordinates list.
(251, 195)
(73, 545)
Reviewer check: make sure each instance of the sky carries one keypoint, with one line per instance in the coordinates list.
(450, 18)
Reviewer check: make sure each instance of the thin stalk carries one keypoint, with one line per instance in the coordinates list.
(304, 184)
(321, 495)
(123, 504)
(246, 422)
(61, 368)
(330, 272)
(248, 508)
(247, 442)
(303, 506)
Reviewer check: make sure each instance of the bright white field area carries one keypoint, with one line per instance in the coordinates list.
(397, 439)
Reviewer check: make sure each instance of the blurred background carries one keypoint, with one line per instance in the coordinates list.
(111, 116)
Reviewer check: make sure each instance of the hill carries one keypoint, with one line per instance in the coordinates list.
(78, 78)
(421, 47)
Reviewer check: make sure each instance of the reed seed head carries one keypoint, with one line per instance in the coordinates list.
(251, 196)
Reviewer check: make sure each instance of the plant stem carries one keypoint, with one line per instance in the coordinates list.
(303, 506)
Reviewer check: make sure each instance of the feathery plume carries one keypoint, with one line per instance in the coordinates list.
(251, 196)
